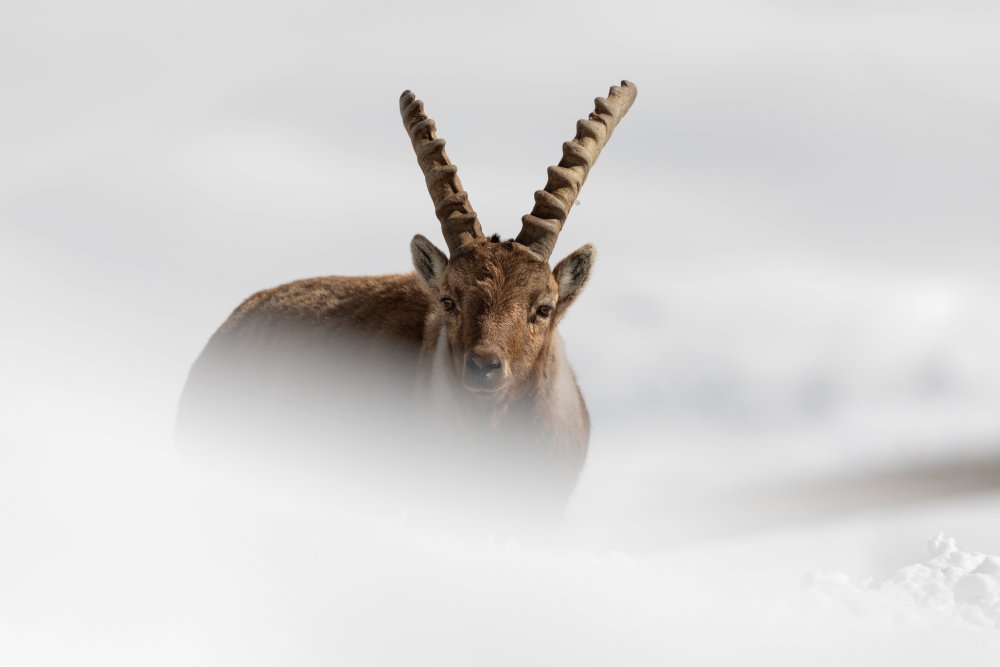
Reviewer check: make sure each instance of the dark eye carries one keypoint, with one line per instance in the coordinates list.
(544, 311)
(448, 304)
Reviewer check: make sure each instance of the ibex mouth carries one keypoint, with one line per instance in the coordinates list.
(483, 391)
(484, 388)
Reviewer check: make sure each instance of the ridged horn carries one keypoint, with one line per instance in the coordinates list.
(459, 222)
(541, 227)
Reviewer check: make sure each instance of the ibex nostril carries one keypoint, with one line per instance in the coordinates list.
(482, 364)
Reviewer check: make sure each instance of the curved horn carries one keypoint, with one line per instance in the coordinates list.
(459, 222)
(541, 227)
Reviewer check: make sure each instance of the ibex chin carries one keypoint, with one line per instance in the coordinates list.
(463, 350)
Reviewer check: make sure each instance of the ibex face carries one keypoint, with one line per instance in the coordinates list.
(499, 304)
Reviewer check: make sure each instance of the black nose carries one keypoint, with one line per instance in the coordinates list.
(482, 364)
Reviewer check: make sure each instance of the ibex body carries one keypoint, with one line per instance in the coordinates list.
(463, 350)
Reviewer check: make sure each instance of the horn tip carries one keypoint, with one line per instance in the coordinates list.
(627, 87)
(406, 99)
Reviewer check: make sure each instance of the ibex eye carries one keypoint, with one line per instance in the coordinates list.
(544, 311)
(448, 304)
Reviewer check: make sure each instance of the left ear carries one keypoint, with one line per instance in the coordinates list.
(572, 274)
(429, 262)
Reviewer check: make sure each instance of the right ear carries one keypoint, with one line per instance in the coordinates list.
(573, 273)
(429, 262)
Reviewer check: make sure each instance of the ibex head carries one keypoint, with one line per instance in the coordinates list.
(499, 301)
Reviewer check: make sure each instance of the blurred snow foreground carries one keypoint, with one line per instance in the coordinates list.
(953, 588)
(155, 563)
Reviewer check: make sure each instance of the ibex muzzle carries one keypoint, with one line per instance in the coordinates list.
(473, 330)
(484, 372)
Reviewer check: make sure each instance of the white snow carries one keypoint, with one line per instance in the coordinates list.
(952, 587)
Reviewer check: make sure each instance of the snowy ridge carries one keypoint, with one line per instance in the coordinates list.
(953, 588)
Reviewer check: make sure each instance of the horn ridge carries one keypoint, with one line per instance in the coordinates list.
(540, 228)
(459, 221)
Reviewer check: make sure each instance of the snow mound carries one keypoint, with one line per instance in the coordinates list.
(952, 588)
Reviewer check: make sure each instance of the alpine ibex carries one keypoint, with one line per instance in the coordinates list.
(474, 330)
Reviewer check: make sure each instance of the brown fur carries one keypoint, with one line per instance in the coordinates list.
(393, 306)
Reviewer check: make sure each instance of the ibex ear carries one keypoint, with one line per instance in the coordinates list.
(428, 261)
(572, 274)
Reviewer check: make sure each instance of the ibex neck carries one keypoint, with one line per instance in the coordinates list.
(558, 399)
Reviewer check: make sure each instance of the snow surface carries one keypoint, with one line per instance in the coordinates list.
(952, 588)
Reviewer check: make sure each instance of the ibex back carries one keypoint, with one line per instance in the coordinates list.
(464, 351)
